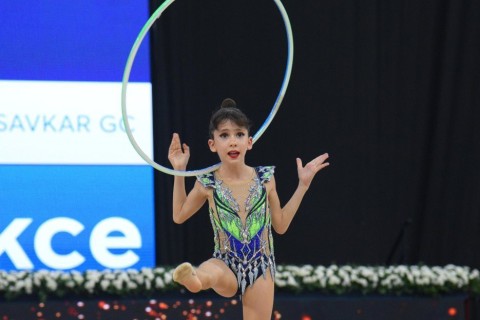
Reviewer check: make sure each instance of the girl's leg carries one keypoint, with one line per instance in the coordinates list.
(213, 274)
(258, 299)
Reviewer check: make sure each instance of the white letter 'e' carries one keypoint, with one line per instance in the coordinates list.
(101, 242)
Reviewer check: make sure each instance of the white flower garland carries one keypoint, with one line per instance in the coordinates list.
(400, 279)
(331, 279)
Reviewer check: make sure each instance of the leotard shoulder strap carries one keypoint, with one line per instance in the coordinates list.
(265, 173)
(207, 180)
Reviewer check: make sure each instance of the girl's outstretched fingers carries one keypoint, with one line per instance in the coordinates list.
(319, 162)
(306, 174)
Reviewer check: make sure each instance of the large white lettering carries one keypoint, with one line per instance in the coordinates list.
(10, 245)
(104, 237)
(43, 243)
(101, 242)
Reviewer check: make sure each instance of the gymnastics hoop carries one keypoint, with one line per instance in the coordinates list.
(128, 69)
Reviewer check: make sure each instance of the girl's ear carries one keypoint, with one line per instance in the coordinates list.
(250, 143)
(211, 144)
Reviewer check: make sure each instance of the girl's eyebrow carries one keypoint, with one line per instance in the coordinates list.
(235, 130)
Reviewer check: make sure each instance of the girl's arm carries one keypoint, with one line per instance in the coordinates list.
(282, 217)
(186, 206)
(183, 206)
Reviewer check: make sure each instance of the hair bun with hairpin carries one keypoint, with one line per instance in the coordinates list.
(228, 103)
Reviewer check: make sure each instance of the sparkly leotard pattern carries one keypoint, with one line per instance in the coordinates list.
(245, 247)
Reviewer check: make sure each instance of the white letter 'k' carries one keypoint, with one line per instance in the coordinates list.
(10, 245)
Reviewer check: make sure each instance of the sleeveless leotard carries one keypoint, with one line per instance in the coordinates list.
(246, 247)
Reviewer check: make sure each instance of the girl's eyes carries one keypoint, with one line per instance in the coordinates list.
(238, 134)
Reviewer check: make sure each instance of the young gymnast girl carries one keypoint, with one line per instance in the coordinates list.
(243, 206)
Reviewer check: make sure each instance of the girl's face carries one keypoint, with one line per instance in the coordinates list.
(231, 142)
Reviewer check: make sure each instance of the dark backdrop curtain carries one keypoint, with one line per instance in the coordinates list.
(391, 89)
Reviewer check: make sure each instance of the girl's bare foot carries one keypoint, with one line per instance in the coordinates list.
(185, 275)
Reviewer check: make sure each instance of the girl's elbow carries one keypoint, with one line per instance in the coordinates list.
(178, 220)
(280, 230)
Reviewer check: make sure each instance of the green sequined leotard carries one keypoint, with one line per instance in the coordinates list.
(246, 246)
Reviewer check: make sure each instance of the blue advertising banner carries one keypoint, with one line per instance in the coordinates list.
(73, 192)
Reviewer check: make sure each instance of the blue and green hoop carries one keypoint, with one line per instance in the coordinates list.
(128, 69)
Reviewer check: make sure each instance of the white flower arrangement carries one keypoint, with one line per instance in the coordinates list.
(400, 279)
(333, 279)
(43, 284)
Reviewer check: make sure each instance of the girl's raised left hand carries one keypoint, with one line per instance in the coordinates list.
(306, 174)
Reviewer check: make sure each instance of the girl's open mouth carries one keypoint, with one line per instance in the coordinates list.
(233, 154)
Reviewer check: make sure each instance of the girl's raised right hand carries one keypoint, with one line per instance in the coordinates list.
(177, 156)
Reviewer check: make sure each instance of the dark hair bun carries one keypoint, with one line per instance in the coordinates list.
(228, 103)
